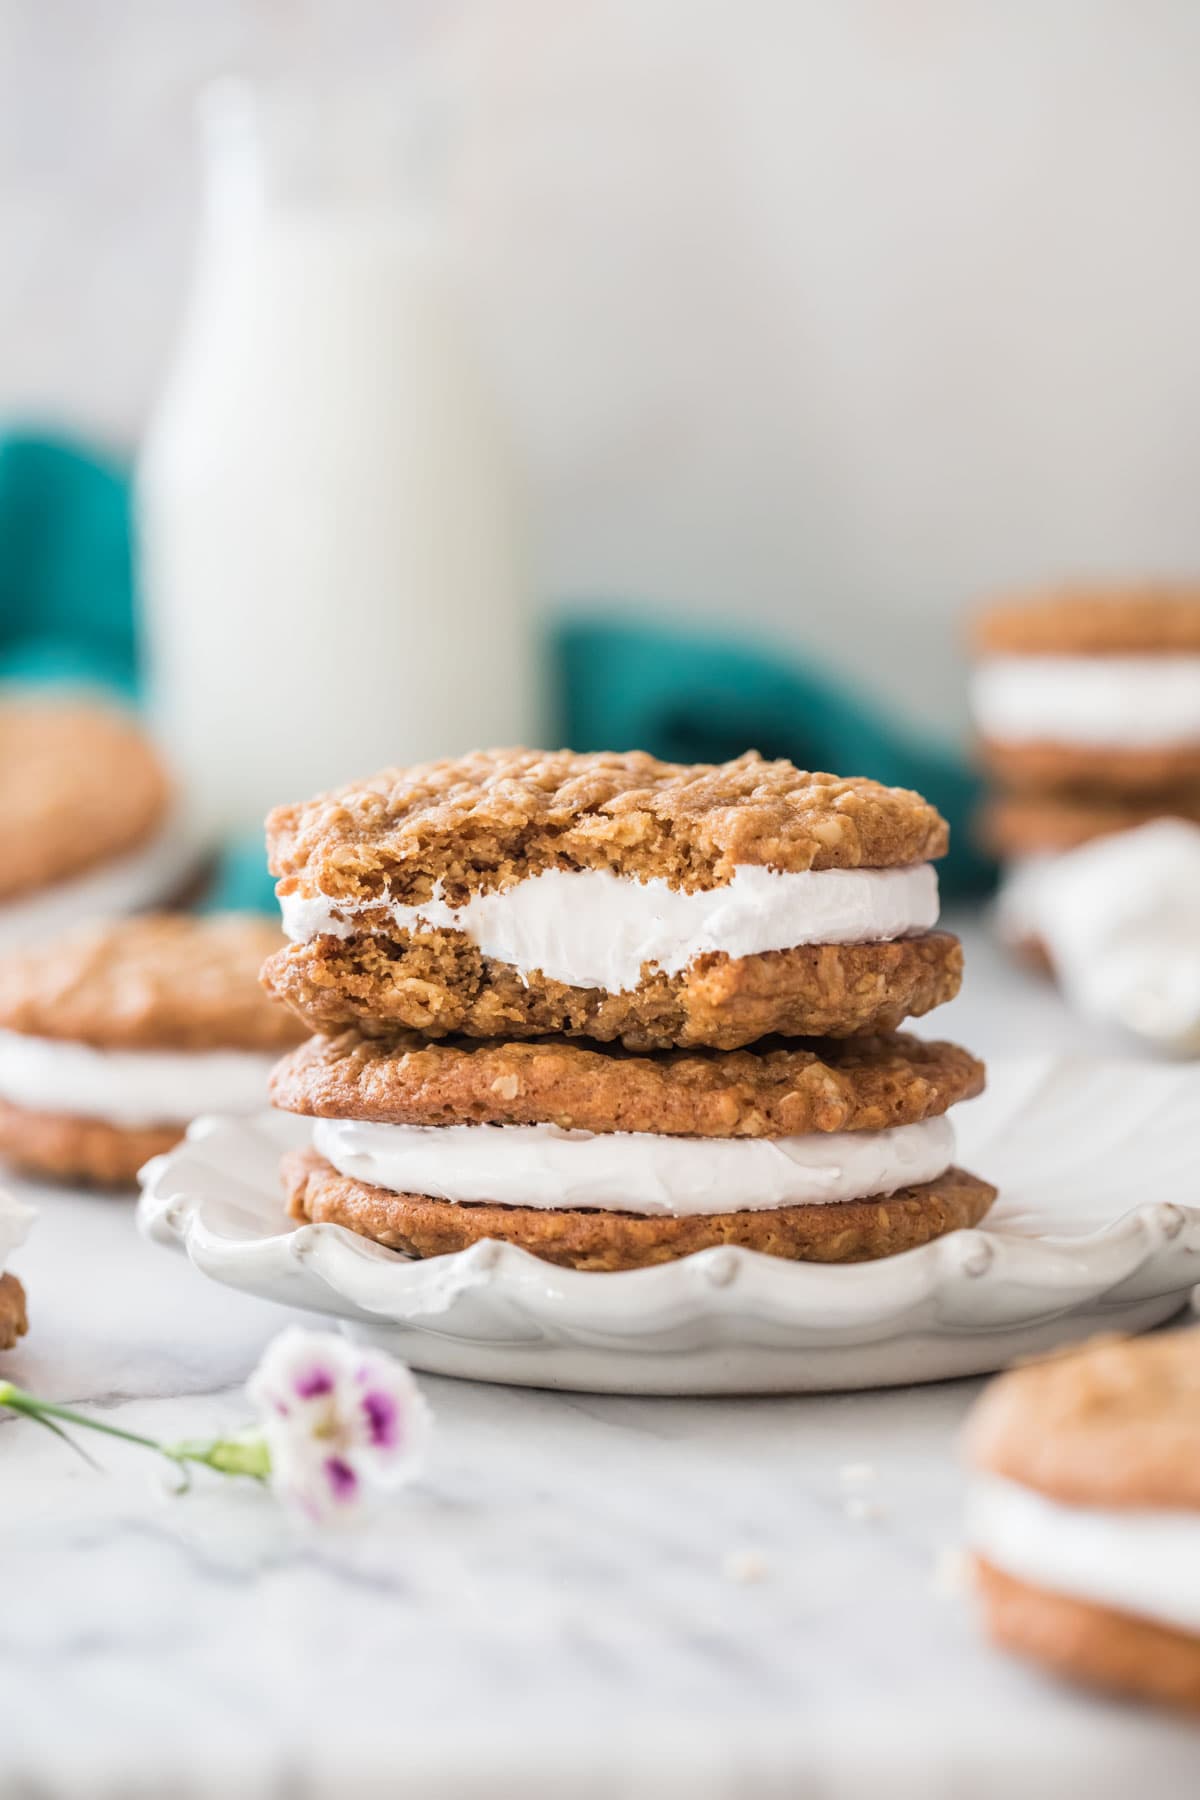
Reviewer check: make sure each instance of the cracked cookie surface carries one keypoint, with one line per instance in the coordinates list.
(437, 983)
(487, 820)
(870, 1084)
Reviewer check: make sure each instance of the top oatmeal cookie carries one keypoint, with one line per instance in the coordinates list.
(79, 785)
(488, 819)
(162, 982)
(1115, 1423)
(1144, 619)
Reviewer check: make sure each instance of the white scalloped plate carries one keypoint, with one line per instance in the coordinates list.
(1097, 1228)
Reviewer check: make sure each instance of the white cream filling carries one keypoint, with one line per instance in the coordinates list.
(1120, 919)
(15, 1220)
(1135, 1561)
(129, 1088)
(638, 1172)
(1090, 702)
(592, 929)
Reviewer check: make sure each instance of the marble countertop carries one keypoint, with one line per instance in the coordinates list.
(584, 1595)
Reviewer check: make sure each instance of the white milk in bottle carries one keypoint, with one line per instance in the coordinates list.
(331, 549)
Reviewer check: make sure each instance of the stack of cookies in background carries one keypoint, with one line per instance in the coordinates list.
(116, 1035)
(614, 1011)
(1086, 705)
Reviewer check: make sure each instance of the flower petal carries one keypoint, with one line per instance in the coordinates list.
(343, 1482)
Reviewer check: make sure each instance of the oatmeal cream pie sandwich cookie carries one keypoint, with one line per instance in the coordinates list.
(615, 897)
(114, 1038)
(1084, 1514)
(602, 1159)
(1092, 690)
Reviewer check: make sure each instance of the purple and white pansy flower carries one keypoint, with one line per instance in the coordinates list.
(338, 1426)
(342, 1423)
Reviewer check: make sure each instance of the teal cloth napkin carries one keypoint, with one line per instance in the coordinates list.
(693, 697)
(67, 613)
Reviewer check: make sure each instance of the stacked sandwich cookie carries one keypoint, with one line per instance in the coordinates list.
(114, 1037)
(1090, 698)
(1084, 1514)
(1087, 708)
(615, 1010)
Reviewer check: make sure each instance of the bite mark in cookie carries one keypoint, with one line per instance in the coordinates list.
(520, 892)
(490, 819)
(438, 984)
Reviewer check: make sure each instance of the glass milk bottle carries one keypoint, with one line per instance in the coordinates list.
(331, 550)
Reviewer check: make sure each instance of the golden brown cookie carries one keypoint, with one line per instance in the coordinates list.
(14, 1321)
(79, 785)
(171, 983)
(1086, 1473)
(1034, 824)
(1092, 1644)
(1138, 619)
(438, 984)
(72, 1149)
(851, 1231)
(488, 819)
(1086, 770)
(167, 981)
(1116, 1423)
(453, 835)
(858, 1084)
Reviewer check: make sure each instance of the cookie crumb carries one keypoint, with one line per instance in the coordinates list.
(744, 1566)
(862, 1510)
(951, 1572)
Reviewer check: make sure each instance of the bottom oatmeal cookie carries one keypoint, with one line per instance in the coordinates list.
(607, 1240)
(600, 1158)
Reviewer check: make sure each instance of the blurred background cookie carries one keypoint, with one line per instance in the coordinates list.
(113, 1038)
(87, 818)
(1084, 1514)
(1086, 705)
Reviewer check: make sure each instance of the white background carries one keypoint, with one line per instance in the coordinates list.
(825, 317)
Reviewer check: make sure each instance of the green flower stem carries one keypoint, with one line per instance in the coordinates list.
(245, 1455)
